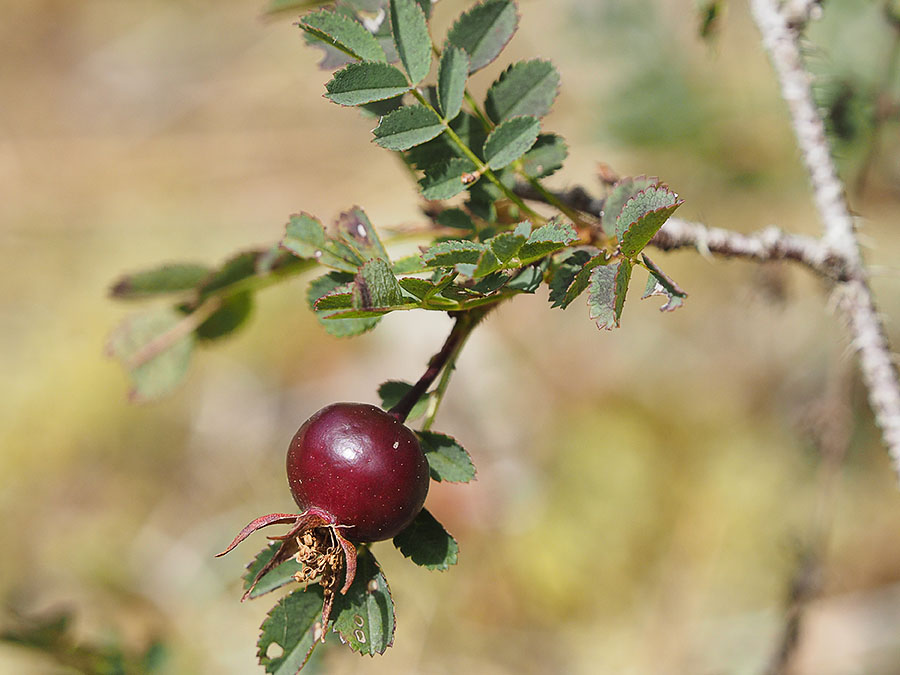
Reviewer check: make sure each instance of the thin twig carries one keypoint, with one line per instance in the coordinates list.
(182, 329)
(770, 244)
(879, 373)
(462, 327)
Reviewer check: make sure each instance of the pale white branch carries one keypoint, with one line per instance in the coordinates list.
(767, 245)
(781, 40)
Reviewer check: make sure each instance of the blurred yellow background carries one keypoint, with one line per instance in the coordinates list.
(643, 496)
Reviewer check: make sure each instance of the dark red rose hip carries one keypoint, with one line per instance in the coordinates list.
(360, 466)
(359, 475)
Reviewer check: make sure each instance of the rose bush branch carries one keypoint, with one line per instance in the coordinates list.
(781, 40)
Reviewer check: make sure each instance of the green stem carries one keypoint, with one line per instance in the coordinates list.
(473, 104)
(480, 166)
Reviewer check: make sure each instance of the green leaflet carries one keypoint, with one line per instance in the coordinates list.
(411, 38)
(450, 253)
(609, 284)
(234, 313)
(274, 579)
(392, 391)
(574, 276)
(354, 228)
(510, 140)
(642, 216)
(484, 30)
(376, 287)
(364, 617)
(446, 179)
(156, 356)
(658, 283)
(359, 83)
(452, 74)
(524, 88)
(447, 460)
(331, 283)
(427, 543)
(291, 626)
(408, 127)
(456, 219)
(166, 279)
(622, 191)
(343, 33)
(546, 156)
(547, 239)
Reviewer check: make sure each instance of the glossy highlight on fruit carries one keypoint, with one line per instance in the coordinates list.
(361, 468)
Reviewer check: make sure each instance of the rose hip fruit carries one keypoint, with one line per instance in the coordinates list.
(359, 475)
(361, 467)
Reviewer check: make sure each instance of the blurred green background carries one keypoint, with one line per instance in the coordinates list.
(644, 496)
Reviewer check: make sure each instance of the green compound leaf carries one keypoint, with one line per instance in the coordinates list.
(305, 237)
(427, 543)
(354, 228)
(510, 140)
(453, 252)
(275, 578)
(291, 625)
(337, 283)
(411, 38)
(643, 215)
(658, 283)
(154, 351)
(622, 191)
(447, 460)
(525, 88)
(447, 179)
(234, 313)
(343, 33)
(546, 156)
(547, 239)
(484, 31)
(359, 83)
(364, 617)
(408, 127)
(574, 276)
(163, 280)
(392, 391)
(376, 287)
(606, 298)
(452, 74)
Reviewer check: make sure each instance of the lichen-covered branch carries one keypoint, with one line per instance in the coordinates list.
(767, 245)
(781, 40)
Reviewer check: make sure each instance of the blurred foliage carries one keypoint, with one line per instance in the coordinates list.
(637, 490)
